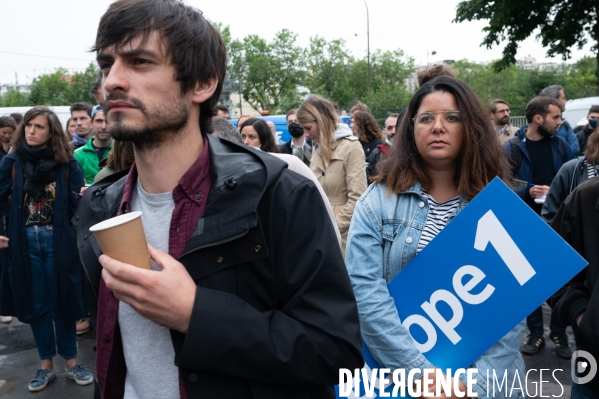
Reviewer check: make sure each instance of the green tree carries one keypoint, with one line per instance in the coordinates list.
(580, 78)
(513, 84)
(225, 32)
(388, 89)
(81, 82)
(62, 88)
(562, 25)
(268, 71)
(328, 66)
(14, 98)
(50, 89)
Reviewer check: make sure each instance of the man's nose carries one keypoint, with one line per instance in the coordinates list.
(116, 78)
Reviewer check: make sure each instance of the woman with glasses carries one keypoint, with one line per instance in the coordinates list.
(43, 283)
(337, 158)
(445, 152)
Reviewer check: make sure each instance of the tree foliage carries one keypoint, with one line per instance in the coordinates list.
(562, 25)
(328, 67)
(518, 85)
(269, 71)
(14, 98)
(335, 74)
(61, 88)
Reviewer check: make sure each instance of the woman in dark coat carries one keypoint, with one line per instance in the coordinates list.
(372, 140)
(42, 282)
(7, 127)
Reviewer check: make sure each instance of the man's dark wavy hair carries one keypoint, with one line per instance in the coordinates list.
(195, 48)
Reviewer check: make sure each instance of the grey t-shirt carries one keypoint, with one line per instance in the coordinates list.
(149, 353)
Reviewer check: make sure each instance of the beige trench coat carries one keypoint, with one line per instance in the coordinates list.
(344, 181)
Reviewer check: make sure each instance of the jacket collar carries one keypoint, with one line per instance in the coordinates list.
(417, 189)
(240, 176)
(89, 146)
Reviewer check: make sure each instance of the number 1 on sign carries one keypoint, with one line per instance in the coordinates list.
(490, 230)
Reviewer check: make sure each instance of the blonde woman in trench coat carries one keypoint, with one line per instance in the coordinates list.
(337, 159)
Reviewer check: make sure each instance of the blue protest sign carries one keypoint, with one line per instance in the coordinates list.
(494, 264)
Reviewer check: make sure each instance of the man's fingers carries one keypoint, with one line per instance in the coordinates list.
(129, 292)
(161, 258)
(122, 271)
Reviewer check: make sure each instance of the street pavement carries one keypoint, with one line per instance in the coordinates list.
(554, 367)
(19, 360)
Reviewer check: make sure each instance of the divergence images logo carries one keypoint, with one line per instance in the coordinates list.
(583, 367)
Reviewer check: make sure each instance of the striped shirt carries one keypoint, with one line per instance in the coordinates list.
(438, 215)
(591, 169)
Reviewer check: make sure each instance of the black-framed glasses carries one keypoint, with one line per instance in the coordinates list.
(501, 111)
(425, 121)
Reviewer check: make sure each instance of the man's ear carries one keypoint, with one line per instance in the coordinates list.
(202, 91)
(538, 119)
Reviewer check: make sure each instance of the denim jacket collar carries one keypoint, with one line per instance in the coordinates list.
(417, 189)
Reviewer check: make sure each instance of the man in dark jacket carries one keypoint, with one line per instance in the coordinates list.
(583, 132)
(565, 131)
(235, 306)
(298, 145)
(537, 153)
(577, 303)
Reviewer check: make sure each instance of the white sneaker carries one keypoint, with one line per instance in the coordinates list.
(5, 319)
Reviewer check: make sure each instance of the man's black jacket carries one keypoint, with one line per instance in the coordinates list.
(285, 148)
(577, 221)
(274, 314)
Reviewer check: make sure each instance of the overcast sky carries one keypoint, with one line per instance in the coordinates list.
(41, 35)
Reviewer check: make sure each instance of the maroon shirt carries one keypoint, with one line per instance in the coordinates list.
(190, 197)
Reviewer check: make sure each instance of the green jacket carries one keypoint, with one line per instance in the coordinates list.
(88, 159)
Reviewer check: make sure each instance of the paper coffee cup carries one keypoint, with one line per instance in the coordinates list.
(123, 238)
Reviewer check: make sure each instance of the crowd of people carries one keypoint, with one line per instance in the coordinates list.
(270, 261)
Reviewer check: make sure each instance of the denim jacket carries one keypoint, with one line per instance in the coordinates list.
(388, 228)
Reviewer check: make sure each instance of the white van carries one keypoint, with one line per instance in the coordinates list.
(577, 110)
(63, 112)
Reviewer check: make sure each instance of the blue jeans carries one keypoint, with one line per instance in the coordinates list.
(45, 286)
(534, 322)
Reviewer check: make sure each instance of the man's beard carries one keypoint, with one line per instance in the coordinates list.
(544, 132)
(503, 121)
(160, 124)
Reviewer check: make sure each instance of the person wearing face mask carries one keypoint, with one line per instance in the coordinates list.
(583, 132)
(298, 145)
